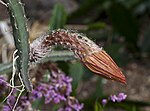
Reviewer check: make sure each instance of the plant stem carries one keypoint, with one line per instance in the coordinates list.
(20, 33)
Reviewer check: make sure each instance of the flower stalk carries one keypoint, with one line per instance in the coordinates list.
(91, 55)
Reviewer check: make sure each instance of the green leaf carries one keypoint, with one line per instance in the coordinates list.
(97, 106)
(123, 22)
(76, 71)
(97, 25)
(59, 17)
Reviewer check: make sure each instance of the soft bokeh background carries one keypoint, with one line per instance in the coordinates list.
(122, 27)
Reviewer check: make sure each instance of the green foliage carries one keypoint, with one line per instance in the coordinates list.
(59, 17)
(123, 22)
(76, 72)
(98, 106)
(97, 25)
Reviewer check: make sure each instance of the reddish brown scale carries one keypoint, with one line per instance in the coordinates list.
(96, 59)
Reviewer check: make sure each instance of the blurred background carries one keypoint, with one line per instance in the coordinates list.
(122, 27)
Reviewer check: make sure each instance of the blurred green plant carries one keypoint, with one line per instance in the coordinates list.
(76, 71)
(59, 17)
(98, 106)
(124, 22)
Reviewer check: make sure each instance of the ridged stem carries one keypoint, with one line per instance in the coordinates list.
(20, 33)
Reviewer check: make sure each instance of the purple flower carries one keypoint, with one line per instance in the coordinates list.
(74, 103)
(58, 90)
(104, 101)
(23, 103)
(6, 108)
(113, 98)
(121, 97)
(68, 109)
(11, 100)
(36, 95)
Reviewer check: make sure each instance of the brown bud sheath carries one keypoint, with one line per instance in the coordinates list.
(95, 58)
(102, 64)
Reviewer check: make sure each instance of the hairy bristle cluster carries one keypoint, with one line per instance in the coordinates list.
(79, 44)
(96, 59)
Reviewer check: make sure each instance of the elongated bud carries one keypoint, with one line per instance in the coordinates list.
(94, 57)
(102, 64)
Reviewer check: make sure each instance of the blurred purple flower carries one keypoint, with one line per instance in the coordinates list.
(11, 100)
(22, 104)
(68, 109)
(74, 103)
(58, 90)
(121, 97)
(6, 108)
(104, 102)
(113, 98)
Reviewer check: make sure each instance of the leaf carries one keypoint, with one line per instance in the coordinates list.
(123, 22)
(76, 72)
(97, 107)
(96, 26)
(59, 17)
